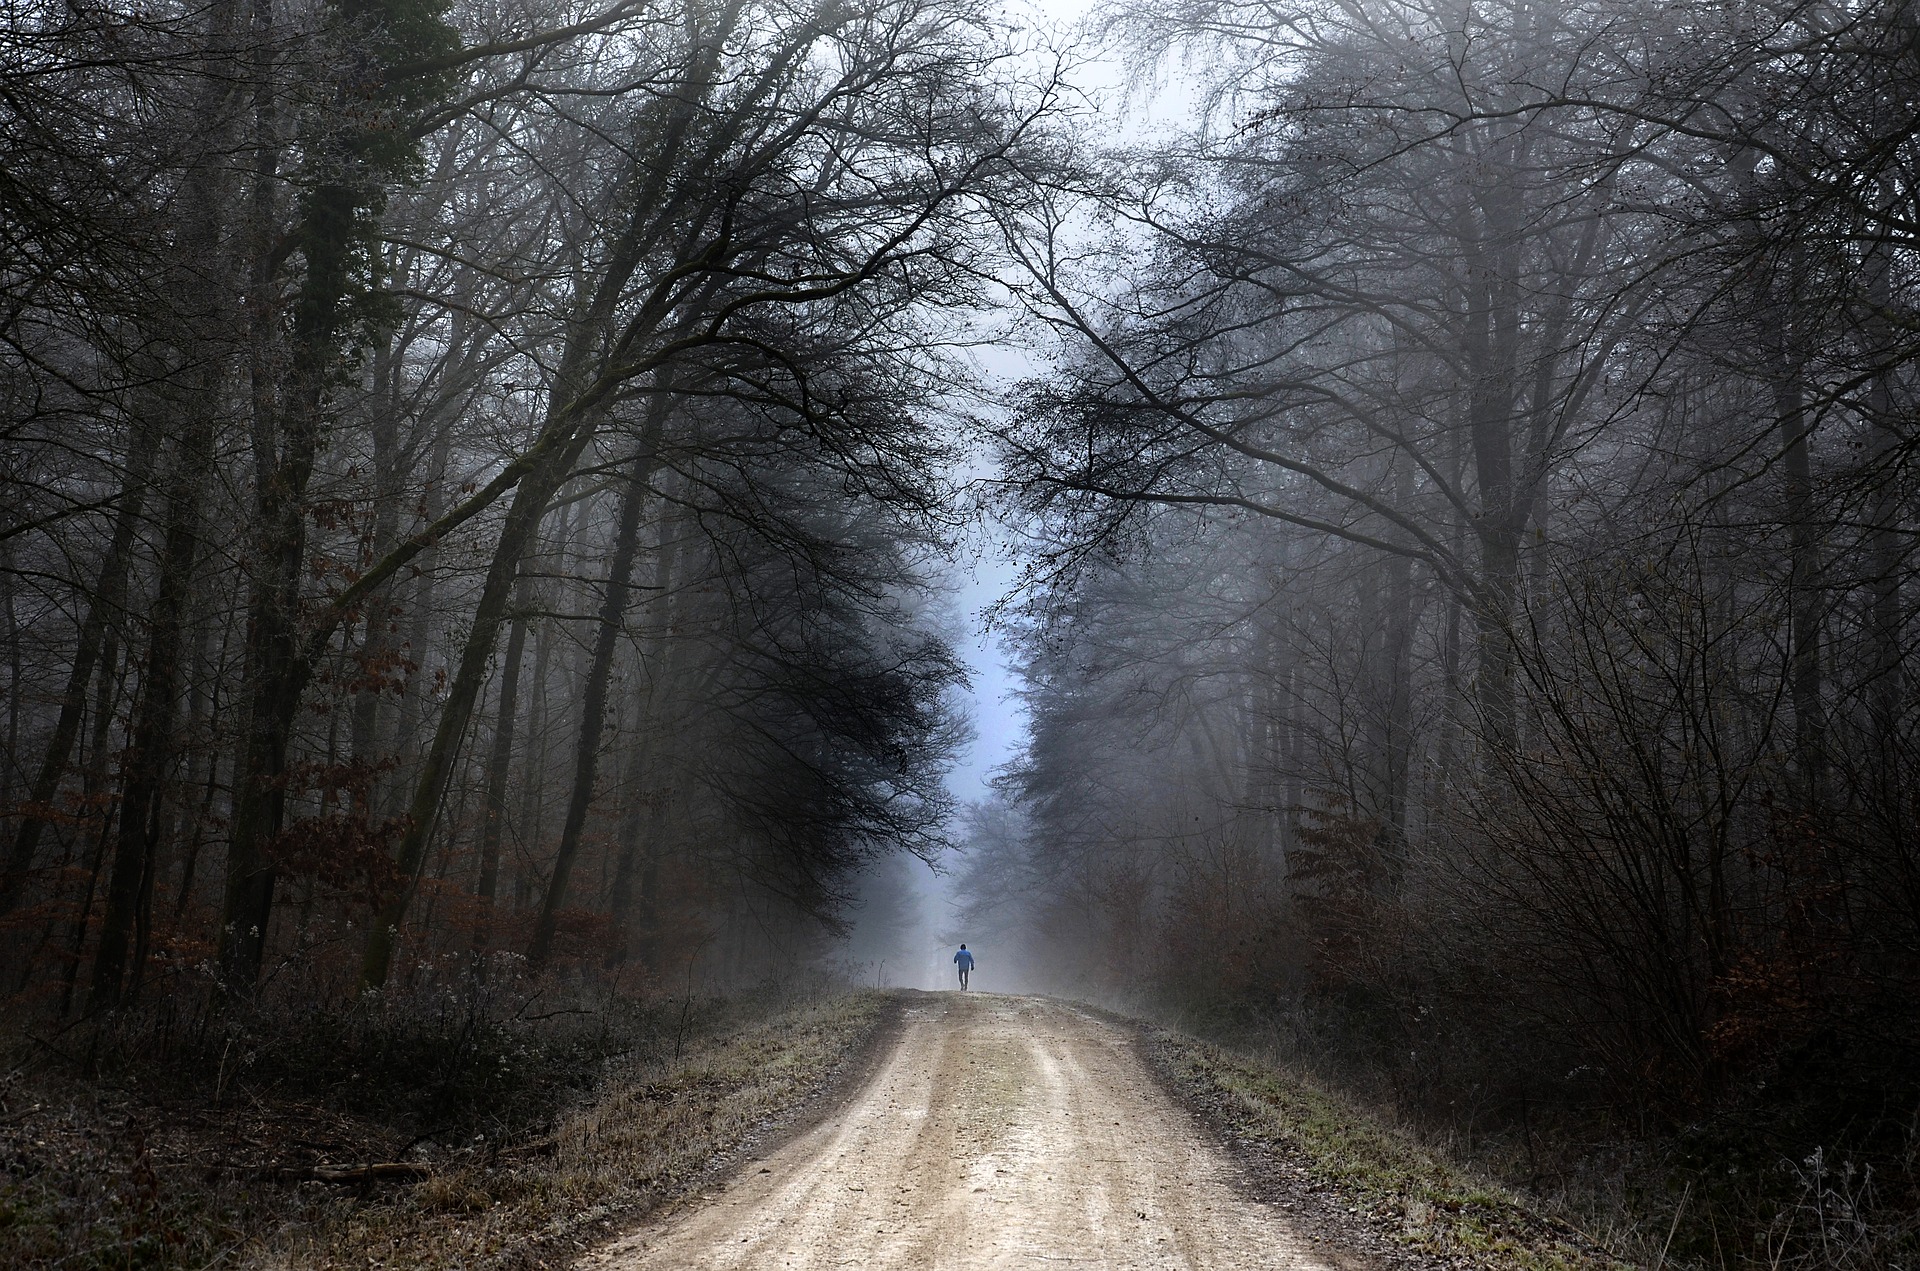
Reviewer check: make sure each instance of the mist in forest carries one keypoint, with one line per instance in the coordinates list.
(1380, 529)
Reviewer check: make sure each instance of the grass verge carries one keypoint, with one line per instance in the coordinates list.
(1381, 1195)
(92, 1177)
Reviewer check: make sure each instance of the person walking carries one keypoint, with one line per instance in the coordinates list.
(964, 961)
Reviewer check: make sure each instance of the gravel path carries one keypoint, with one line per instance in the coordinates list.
(1001, 1132)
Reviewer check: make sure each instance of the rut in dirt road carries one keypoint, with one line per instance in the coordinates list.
(1001, 1132)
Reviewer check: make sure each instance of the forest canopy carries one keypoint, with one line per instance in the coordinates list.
(482, 481)
(1469, 617)
(474, 472)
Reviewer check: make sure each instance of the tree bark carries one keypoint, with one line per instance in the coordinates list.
(1804, 618)
(203, 283)
(535, 492)
(635, 878)
(421, 607)
(271, 682)
(500, 763)
(150, 750)
(94, 762)
(376, 645)
(103, 613)
(593, 702)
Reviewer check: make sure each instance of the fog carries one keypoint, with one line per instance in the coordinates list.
(1384, 531)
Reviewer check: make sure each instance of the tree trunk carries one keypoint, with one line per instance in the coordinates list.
(1396, 725)
(109, 600)
(270, 682)
(1886, 556)
(593, 702)
(1491, 346)
(1803, 594)
(16, 674)
(94, 763)
(531, 813)
(376, 645)
(500, 762)
(630, 874)
(421, 607)
(203, 284)
(207, 757)
(535, 492)
(150, 749)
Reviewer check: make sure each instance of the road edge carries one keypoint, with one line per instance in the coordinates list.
(1304, 1202)
(1477, 1223)
(586, 1244)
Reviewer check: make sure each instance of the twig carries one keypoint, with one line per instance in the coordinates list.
(1677, 1211)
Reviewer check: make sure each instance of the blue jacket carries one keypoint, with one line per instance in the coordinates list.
(965, 959)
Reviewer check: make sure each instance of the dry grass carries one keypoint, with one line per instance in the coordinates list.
(648, 1136)
(1299, 1138)
(99, 1182)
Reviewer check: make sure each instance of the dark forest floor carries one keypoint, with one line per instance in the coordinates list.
(1720, 1192)
(417, 1143)
(1376, 1193)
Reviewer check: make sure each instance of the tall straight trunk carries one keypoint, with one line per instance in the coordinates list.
(271, 683)
(207, 758)
(500, 761)
(102, 618)
(580, 389)
(16, 673)
(533, 767)
(1886, 553)
(593, 701)
(376, 645)
(1803, 591)
(636, 872)
(1452, 721)
(150, 749)
(1887, 558)
(93, 761)
(1399, 714)
(1293, 741)
(1396, 724)
(1491, 343)
(421, 608)
(1262, 728)
(678, 685)
(536, 767)
(530, 501)
(204, 287)
(629, 842)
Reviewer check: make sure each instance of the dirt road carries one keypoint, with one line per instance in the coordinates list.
(1001, 1132)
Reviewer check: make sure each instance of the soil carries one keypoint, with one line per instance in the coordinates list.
(999, 1132)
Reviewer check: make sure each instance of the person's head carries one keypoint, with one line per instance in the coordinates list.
(963, 946)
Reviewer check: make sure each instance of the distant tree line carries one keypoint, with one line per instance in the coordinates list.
(471, 476)
(1471, 610)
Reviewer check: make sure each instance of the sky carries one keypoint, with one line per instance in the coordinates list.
(984, 574)
(998, 720)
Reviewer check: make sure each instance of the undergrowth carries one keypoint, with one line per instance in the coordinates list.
(1383, 1178)
(480, 1122)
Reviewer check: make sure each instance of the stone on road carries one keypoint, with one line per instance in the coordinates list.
(1000, 1132)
